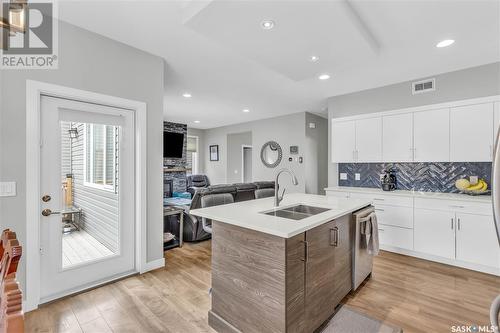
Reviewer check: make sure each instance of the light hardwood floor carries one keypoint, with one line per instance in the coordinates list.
(417, 295)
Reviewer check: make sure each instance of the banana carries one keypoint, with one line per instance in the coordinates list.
(476, 187)
(485, 186)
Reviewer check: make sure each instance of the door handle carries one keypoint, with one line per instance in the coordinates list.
(48, 212)
(458, 221)
(332, 236)
(452, 223)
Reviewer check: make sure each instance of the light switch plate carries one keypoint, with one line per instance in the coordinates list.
(357, 176)
(7, 189)
(343, 176)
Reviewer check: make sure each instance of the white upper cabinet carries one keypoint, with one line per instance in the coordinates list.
(397, 138)
(471, 133)
(369, 140)
(431, 135)
(496, 120)
(343, 142)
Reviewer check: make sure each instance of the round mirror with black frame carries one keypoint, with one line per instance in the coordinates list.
(271, 154)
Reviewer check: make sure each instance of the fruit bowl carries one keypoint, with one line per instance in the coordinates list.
(486, 192)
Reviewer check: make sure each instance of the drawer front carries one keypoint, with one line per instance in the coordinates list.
(395, 216)
(337, 194)
(480, 208)
(384, 199)
(395, 236)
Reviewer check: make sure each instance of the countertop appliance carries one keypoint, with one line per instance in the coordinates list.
(389, 180)
(362, 260)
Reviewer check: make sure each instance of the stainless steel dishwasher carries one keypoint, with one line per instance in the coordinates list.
(362, 260)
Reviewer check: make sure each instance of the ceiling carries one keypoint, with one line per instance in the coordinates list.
(218, 52)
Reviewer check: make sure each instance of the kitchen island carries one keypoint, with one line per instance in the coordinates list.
(280, 270)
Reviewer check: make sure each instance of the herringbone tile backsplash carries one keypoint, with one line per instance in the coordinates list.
(428, 177)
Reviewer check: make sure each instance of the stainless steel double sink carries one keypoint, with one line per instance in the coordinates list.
(297, 212)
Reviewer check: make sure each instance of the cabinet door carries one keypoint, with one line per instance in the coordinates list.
(369, 140)
(342, 241)
(471, 133)
(343, 141)
(476, 240)
(397, 138)
(431, 135)
(434, 232)
(320, 272)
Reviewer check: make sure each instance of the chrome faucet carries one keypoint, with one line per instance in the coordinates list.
(277, 197)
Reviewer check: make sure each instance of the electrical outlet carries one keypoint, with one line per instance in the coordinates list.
(357, 176)
(343, 176)
(474, 180)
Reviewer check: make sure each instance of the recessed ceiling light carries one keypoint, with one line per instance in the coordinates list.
(246, 110)
(267, 24)
(187, 95)
(196, 121)
(324, 77)
(445, 43)
(314, 58)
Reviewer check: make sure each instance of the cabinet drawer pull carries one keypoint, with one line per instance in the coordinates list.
(379, 229)
(452, 223)
(306, 251)
(459, 224)
(378, 199)
(380, 209)
(457, 206)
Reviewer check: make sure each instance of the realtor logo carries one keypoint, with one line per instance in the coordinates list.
(29, 39)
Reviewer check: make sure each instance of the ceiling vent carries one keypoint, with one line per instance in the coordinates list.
(423, 86)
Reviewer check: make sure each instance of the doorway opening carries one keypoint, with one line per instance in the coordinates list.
(246, 163)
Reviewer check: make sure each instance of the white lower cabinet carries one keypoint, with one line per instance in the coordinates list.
(455, 232)
(435, 232)
(395, 236)
(476, 240)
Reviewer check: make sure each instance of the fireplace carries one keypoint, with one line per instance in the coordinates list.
(168, 187)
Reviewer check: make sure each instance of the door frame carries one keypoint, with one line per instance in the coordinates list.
(34, 92)
(243, 161)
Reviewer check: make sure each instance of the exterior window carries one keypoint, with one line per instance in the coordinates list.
(192, 155)
(100, 156)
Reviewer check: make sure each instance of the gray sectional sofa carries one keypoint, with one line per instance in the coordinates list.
(214, 195)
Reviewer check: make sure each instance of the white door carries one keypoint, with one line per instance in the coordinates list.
(476, 240)
(397, 139)
(247, 164)
(343, 141)
(431, 136)
(369, 140)
(87, 204)
(471, 133)
(434, 232)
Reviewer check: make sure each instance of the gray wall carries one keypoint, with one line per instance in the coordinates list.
(234, 155)
(316, 154)
(286, 130)
(468, 83)
(90, 62)
(201, 139)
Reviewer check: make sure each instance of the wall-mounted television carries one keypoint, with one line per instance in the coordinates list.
(173, 144)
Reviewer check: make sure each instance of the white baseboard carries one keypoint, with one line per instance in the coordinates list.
(152, 265)
(451, 262)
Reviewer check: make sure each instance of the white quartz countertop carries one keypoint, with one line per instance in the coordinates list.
(429, 195)
(248, 214)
